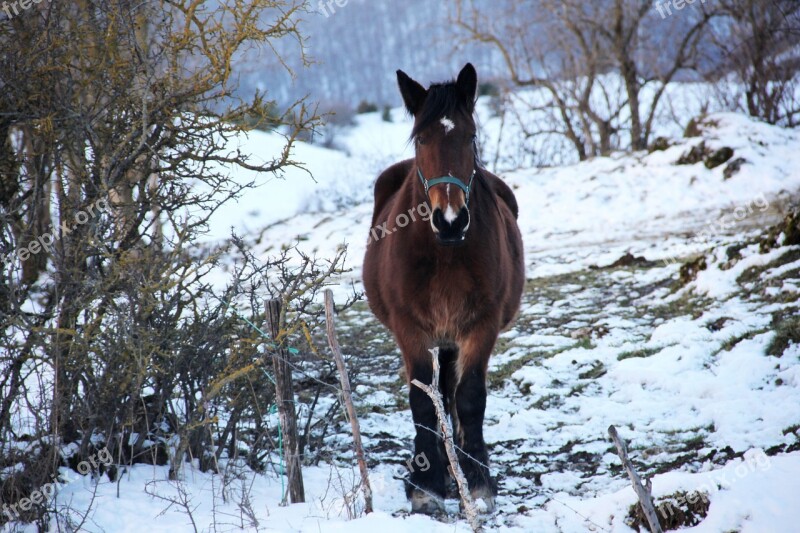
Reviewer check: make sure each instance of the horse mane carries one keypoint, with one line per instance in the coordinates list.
(443, 100)
(483, 181)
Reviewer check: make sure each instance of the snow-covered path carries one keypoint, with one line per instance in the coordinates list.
(697, 369)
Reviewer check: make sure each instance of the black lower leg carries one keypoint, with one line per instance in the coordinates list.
(447, 381)
(447, 386)
(470, 399)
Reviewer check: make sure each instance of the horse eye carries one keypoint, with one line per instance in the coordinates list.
(420, 140)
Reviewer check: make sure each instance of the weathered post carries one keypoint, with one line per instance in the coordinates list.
(284, 397)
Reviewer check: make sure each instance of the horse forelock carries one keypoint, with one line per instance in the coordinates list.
(444, 100)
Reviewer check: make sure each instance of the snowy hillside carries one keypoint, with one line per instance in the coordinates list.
(694, 366)
(596, 211)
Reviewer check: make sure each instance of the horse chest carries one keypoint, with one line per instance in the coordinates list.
(448, 313)
(450, 299)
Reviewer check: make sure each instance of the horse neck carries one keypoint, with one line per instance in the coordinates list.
(415, 187)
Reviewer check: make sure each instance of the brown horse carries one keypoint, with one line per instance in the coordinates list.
(451, 279)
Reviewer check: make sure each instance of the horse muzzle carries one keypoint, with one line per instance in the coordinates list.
(450, 227)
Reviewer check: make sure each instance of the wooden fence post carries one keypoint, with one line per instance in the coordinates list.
(284, 397)
(348, 401)
(643, 494)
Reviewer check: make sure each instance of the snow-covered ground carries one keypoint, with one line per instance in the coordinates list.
(680, 367)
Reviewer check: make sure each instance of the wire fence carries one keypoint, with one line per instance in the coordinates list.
(338, 392)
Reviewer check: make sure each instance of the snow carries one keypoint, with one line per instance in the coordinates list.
(718, 283)
(152, 502)
(328, 180)
(593, 346)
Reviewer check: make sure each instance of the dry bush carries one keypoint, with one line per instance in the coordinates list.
(112, 335)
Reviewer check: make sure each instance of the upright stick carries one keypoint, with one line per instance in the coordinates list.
(435, 395)
(641, 492)
(348, 400)
(284, 392)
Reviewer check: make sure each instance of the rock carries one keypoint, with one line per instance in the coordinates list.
(696, 154)
(659, 145)
(598, 331)
(700, 152)
(718, 324)
(629, 260)
(785, 233)
(688, 271)
(733, 167)
(719, 157)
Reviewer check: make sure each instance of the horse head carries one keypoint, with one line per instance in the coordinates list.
(444, 137)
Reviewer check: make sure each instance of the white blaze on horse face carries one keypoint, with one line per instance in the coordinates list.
(448, 125)
(450, 214)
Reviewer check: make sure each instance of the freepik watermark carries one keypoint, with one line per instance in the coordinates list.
(665, 8)
(753, 459)
(326, 7)
(727, 221)
(16, 6)
(400, 221)
(46, 240)
(46, 491)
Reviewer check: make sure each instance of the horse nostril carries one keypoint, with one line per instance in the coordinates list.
(462, 222)
(438, 220)
(451, 228)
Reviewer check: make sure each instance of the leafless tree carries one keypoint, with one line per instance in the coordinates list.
(603, 66)
(758, 43)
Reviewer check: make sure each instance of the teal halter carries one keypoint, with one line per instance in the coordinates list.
(447, 179)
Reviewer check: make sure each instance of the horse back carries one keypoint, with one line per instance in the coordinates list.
(504, 192)
(514, 263)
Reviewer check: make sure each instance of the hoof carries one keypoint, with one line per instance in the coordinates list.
(483, 498)
(425, 503)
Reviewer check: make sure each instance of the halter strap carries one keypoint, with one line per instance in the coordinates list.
(447, 179)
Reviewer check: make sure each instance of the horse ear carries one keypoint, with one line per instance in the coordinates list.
(413, 93)
(467, 83)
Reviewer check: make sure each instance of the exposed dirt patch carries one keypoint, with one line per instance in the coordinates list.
(676, 511)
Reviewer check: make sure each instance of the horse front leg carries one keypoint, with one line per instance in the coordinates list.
(425, 488)
(470, 406)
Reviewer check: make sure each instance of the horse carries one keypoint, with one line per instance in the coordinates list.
(450, 279)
